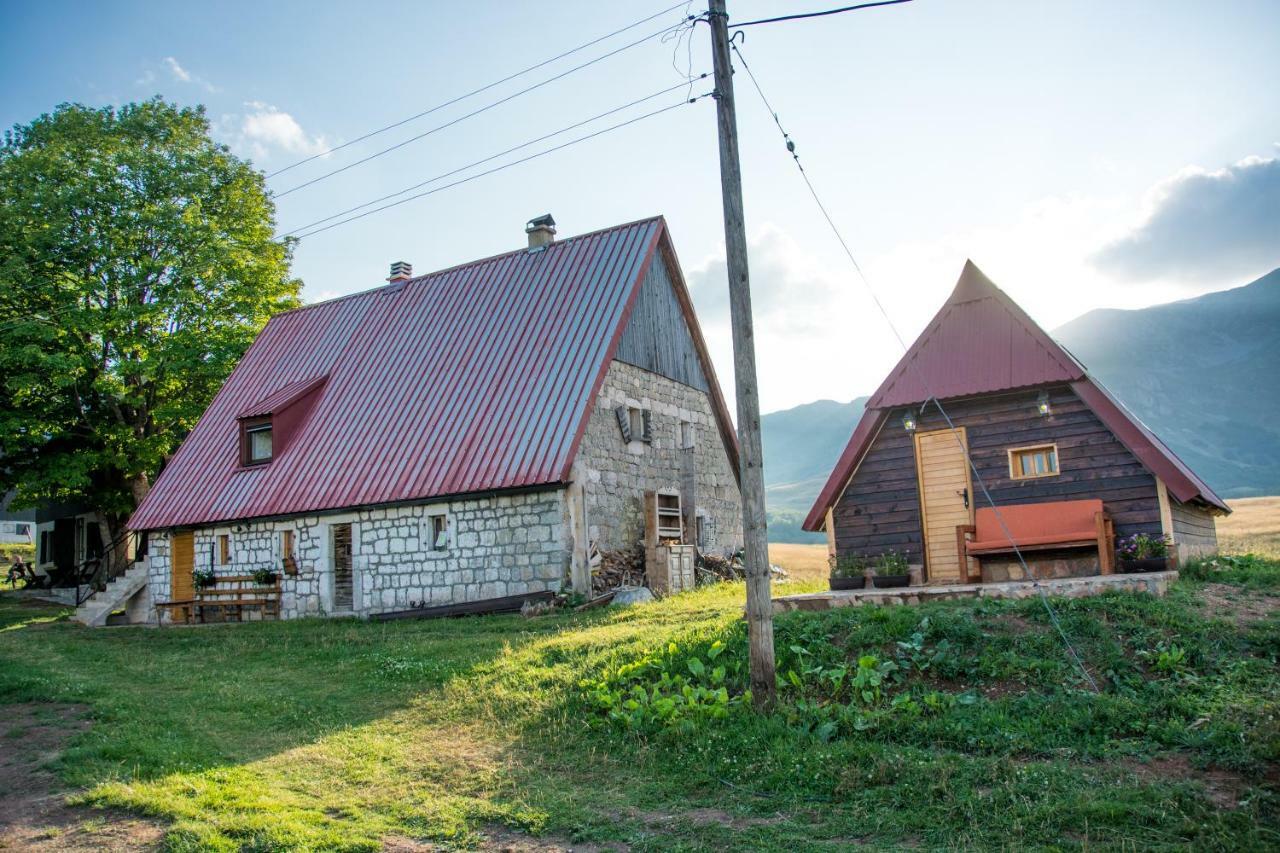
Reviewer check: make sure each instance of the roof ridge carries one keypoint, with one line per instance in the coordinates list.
(450, 269)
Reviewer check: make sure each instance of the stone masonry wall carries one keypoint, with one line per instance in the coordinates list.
(497, 546)
(615, 474)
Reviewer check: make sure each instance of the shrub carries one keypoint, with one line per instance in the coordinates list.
(1140, 546)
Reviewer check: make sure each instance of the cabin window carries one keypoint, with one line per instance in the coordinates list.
(437, 532)
(1026, 463)
(255, 441)
(224, 549)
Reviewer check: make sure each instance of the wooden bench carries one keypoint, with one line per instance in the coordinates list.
(1040, 527)
(232, 594)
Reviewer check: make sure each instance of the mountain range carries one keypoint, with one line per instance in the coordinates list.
(1203, 373)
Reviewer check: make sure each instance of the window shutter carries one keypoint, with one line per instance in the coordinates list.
(647, 436)
(624, 422)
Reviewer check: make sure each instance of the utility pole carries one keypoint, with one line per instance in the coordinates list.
(751, 462)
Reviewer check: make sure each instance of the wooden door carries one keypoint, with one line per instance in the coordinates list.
(946, 501)
(182, 563)
(343, 583)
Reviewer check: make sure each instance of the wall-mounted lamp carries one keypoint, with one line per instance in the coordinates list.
(909, 421)
(1042, 404)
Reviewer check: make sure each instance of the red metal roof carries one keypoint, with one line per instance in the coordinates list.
(982, 342)
(472, 379)
(979, 342)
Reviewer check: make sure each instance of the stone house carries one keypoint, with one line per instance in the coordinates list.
(475, 433)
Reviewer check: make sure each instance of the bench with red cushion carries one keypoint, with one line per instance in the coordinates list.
(1041, 527)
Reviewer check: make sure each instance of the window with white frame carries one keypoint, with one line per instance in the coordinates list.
(436, 531)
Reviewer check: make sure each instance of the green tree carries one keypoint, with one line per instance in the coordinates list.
(137, 264)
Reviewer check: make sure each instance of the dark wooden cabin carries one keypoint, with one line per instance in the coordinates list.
(1042, 436)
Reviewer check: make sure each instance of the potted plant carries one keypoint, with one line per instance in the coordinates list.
(265, 577)
(891, 571)
(204, 578)
(849, 572)
(1143, 553)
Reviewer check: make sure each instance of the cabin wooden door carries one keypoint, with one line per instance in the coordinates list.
(343, 581)
(946, 500)
(182, 563)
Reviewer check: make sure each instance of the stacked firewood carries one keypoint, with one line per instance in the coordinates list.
(612, 569)
(713, 569)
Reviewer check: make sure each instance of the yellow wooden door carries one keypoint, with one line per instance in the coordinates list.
(946, 500)
(182, 561)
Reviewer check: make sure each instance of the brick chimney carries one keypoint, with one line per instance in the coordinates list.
(541, 231)
(400, 271)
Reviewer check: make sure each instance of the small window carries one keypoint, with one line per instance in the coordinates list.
(1027, 463)
(224, 550)
(687, 435)
(438, 532)
(286, 552)
(703, 532)
(635, 424)
(255, 441)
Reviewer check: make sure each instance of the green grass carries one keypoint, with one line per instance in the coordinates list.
(337, 735)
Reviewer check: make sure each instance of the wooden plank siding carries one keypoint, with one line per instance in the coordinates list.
(1195, 532)
(657, 337)
(880, 507)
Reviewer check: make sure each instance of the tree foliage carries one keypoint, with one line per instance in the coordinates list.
(137, 263)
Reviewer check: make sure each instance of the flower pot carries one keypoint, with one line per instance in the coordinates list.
(1149, 564)
(891, 581)
(848, 583)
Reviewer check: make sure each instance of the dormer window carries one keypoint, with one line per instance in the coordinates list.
(255, 441)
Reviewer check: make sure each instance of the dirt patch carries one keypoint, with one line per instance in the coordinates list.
(1241, 607)
(1223, 787)
(34, 814)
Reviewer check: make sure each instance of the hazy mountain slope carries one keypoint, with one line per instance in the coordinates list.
(1204, 373)
(801, 446)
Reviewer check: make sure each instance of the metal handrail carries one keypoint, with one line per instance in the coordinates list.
(103, 571)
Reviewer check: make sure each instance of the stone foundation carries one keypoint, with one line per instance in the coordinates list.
(1043, 565)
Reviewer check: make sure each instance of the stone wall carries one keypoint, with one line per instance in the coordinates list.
(497, 546)
(615, 473)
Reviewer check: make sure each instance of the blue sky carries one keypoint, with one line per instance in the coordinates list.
(1084, 154)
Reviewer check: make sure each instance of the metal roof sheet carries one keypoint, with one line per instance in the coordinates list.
(472, 379)
(982, 342)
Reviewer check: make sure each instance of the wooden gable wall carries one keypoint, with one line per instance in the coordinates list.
(657, 337)
(880, 508)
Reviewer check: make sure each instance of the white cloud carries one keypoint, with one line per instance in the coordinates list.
(266, 129)
(1202, 226)
(179, 73)
(182, 75)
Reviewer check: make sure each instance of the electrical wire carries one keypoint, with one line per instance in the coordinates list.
(477, 112)
(505, 166)
(492, 157)
(986, 493)
(822, 14)
(478, 91)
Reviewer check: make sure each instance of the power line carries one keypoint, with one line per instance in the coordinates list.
(986, 493)
(821, 14)
(474, 92)
(492, 157)
(477, 112)
(505, 166)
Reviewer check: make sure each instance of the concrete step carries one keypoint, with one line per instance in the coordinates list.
(95, 611)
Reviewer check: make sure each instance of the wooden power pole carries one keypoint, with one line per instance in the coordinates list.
(751, 463)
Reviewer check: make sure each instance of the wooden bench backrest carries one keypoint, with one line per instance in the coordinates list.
(1055, 518)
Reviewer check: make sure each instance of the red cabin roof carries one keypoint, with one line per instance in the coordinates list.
(474, 379)
(981, 342)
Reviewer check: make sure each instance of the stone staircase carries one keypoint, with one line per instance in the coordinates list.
(99, 606)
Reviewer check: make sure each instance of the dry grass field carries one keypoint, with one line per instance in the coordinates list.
(803, 563)
(1253, 527)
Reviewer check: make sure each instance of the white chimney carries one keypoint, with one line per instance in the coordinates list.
(541, 231)
(401, 271)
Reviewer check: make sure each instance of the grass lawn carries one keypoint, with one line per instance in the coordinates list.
(974, 729)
